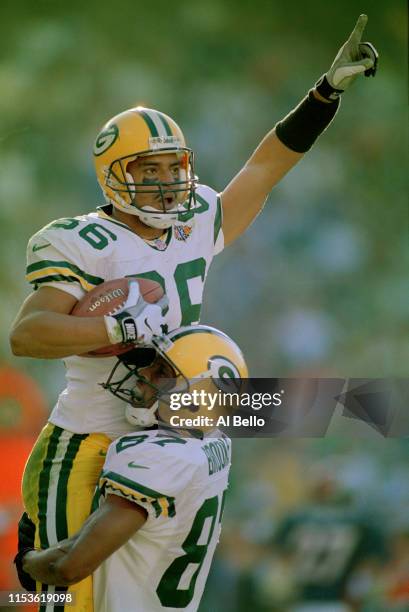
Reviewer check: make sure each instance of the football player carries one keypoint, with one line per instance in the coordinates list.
(161, 491)
(332, 551)
(157, 223)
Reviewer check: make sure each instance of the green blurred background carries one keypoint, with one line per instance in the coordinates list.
(318, 285)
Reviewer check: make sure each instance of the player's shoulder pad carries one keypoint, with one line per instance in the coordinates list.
(68, 250)
(206, 197)
(89, 234)
(163, 462)
(62, 231)
(209, 214)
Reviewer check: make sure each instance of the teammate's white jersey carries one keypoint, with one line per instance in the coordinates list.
(181, 482)
(78, 254)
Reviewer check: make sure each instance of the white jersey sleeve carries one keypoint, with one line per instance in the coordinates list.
(139, 468)
(60, 258)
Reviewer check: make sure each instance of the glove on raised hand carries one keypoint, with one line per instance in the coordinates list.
(353, 58)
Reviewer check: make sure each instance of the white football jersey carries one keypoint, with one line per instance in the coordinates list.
(181, 482)
(78, 254)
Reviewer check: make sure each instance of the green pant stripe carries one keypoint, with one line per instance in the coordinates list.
(66, 466)
(44, 482)
(49, 607)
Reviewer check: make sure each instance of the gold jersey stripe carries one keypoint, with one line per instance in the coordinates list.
(161, 501)
(62, 273)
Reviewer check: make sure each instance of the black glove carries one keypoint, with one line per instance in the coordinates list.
(26, 534)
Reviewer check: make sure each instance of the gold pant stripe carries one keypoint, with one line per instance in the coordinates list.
(58, 486)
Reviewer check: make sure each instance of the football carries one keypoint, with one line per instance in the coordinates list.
(108, 299)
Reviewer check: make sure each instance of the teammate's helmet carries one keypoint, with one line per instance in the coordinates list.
(200, 357)
(140, 132)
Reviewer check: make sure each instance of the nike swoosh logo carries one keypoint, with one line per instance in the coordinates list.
(38, 247)
(131, 464)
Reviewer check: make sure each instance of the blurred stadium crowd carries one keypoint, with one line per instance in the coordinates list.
(321, 521)
(318, 285)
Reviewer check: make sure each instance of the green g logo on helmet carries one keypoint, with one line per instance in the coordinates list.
(224, 374)
(106, 139)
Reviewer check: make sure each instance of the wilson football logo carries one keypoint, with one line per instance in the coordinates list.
(107, 298)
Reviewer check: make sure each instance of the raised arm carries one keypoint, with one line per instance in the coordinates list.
(293, 136)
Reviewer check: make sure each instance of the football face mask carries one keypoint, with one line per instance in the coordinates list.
(149, 380)
(196, 358)
(137, 134)
(158, 203)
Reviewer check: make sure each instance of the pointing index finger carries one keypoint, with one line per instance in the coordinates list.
(357, 32)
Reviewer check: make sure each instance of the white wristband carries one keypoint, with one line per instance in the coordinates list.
(113, 329)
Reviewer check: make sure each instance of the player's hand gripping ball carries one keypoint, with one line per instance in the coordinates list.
(112, 298)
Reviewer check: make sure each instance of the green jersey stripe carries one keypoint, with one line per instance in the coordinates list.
(217, 220)
(44, 483)
(222, 505)
(66, 467)
(131, 484)
(143, 490)
(151, 125)
(204, 204)
(171, 506)
(111, 485)
(54, 277)
(202, 201)
(45, 263)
